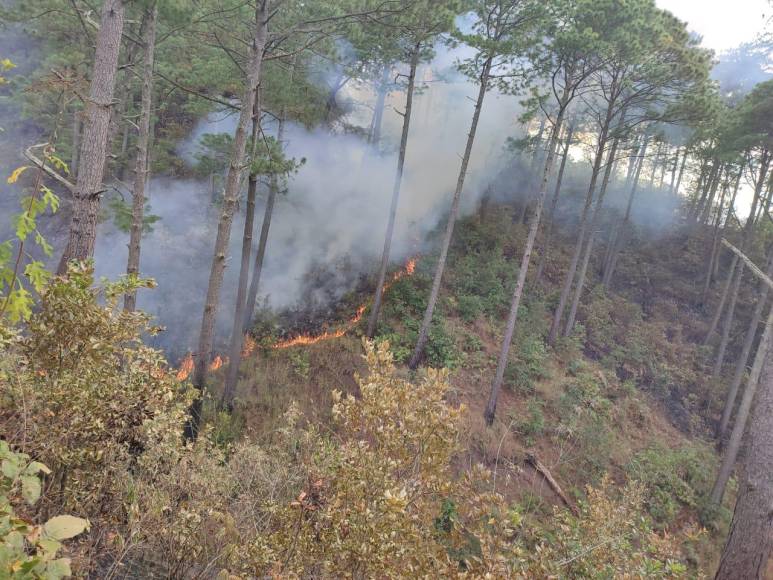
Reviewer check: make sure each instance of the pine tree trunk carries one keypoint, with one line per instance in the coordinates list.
(715, 247)
(704, 185)
(750, 540)
(543, 259)
(423, 336)
(378, 112)
(76, 143)
(619, 239)
(739, 426)
(593, 229)
(94, 142)
(237, 332)
(377, 299)
(706, 213)
(673, 171)
(142, 162)
(496, 385)
(740, 368)
(681, 172)
(727, 324)
(230, 200)
(268, 213)
(746, 237)
(568, 281)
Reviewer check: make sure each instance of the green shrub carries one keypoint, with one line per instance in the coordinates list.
(529, 365)
(675, 479)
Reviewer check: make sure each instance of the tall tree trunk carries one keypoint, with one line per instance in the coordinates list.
(741, 416)
(746, 237)
(740, 368)
(681, 172)
(673, 170)
(268, 213)
(230, 200)
(423, 336)
(728, 323)
(237, 331)
(699, 190)
(377, 299)
(496, 385)
(593, 229)
(378, 111)
(543, 259)
(619, 239)
(663, 166)
(142, 162)
(706, 213)
(93, 152)
(704, 187)
(715, 247)
(750, 540)
(569, 280)
(76, 140)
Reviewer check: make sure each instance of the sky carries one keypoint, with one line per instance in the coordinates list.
(723, 24)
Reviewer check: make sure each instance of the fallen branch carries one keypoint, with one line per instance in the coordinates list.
(532, 460)
(751, 265)
(46, 169)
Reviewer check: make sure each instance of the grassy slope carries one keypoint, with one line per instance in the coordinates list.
(631, 379)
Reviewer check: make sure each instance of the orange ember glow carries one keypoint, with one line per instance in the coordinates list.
(306, 339)
(186, 367)
(249, 345)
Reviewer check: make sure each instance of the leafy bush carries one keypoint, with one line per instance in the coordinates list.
(674, 478)
(29, 551)
(609, 539)
(84, 395)
(529, 365)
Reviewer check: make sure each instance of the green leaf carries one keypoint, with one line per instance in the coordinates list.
(58, 569)
(65, 527)
(30, 488)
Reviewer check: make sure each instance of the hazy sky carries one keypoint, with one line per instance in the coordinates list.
(722, 23)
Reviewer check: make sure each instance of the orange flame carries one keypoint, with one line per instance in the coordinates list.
(186, 367)
(249, 345)
(306, 339)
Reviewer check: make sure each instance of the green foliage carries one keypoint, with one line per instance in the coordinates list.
(609, 539)
(528, 366)
(532, 423)
(122, 215)
(299, 359)
(90, 398)
(674, 479)
(16, 263)
(29, 551)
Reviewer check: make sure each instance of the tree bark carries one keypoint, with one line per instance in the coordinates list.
(237, 331)
(748, 342)
(94, 142)
(593, 229)
(681, 172)
(377, 299)
(378, 112)
(423, 336)
(142, 161)
(739, 426)
(715, 247)
(569, 280)
(76, 140)
(553, 205)
(619, 238)
(230, 200)
(728, 323)
(750, 541)
(496, 385)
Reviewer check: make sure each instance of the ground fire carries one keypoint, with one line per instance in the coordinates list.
(186, 367)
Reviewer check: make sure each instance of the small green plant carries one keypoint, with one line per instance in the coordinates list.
(533, 423)
(299, 359)
(28, 551)
(674, 479)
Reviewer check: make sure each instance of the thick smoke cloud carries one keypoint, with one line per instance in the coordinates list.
(333, 214)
